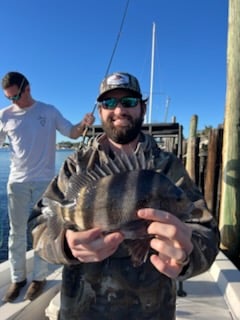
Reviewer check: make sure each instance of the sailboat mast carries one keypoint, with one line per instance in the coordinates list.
(152, 74)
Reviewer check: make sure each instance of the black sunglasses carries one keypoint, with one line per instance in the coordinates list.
(17, 96)
(126, 102)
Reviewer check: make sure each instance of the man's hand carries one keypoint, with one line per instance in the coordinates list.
(91, 245)
(172, 241)
(88, 120)
(78, 129)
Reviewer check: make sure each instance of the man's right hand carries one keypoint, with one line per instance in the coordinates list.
(92, 245)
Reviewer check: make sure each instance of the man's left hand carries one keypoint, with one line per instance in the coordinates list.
(172, 241)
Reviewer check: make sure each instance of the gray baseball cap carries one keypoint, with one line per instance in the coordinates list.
(119, 80)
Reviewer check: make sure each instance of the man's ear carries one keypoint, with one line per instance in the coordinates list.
(27, 88)
(144, 108)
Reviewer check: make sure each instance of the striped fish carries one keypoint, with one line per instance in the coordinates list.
(109, 195)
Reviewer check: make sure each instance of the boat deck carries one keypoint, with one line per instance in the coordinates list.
(204, 300)
(212, 295)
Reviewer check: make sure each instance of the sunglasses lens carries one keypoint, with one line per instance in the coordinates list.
(126, 102)
(16, 97)
(129, 102)
(110, 103)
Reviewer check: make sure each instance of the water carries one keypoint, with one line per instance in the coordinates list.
(61, 155)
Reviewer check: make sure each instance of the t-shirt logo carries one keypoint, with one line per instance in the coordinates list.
(42, 120)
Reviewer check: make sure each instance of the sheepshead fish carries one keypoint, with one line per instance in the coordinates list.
(109, 195)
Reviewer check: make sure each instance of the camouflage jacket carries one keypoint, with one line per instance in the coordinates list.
(113, 288)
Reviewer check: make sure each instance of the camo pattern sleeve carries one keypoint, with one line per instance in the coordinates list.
(47, 227)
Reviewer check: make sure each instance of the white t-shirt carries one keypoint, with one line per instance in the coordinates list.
(32, 136)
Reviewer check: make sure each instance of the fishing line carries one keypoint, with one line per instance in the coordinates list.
(118, 37)
(109, 64)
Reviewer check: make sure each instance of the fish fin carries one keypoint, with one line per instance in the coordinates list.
(118, 160)
(127, 161)
(110, 167)
(141, 157)
(53, 221)
(76, 182)
(100, 170)
(138, 250)
(135, 162)
(120, 163)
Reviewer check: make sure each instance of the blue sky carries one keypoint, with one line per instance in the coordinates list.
(64, 48)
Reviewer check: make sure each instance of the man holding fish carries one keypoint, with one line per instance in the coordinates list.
(124, 218)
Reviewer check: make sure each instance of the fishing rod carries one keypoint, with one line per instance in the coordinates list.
(109, 64)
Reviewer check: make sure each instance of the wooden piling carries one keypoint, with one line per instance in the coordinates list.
(229, 223)
(212, 169)
(191, 148)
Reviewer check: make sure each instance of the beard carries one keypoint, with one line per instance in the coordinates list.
(126, 134)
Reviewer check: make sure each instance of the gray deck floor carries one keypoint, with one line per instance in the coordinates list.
(214, 294)
(204, 301)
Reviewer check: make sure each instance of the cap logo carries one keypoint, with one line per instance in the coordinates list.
(118, 79)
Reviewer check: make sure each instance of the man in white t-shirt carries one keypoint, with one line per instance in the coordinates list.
(30, 127)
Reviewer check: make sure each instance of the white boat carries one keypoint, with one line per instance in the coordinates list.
(29, 310)
(212, 295)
